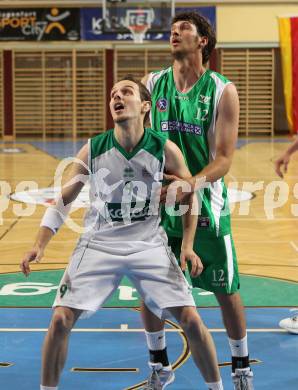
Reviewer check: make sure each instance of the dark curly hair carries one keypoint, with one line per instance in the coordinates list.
(204, 29)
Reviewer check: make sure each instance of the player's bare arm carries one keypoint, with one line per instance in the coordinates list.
(281, 164)
(226, 137)
(75, 180)
(176, 167)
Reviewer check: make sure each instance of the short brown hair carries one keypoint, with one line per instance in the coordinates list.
(204, 29)
(144, 93)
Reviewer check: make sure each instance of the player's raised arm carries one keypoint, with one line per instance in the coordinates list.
(180, 177)
(55, 215)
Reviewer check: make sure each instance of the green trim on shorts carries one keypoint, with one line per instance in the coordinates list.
(218, 255)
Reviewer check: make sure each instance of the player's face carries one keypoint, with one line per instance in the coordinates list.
(125, 101)
(184, 38)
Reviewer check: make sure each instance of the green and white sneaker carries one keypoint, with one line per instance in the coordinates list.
(159, 377)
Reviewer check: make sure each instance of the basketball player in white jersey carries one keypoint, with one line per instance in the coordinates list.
(123, 235)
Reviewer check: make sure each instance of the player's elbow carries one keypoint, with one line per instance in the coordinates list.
(225, 164)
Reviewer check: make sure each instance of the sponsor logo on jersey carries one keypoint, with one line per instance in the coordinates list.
(128, 173)
(118, 212)
(162, 104)
(181, 127)
(204, 99)
(181, 97)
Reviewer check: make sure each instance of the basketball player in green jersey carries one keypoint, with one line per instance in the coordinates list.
(198, 109)
(123, 235)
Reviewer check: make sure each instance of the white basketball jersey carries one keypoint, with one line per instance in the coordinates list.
(124, 214)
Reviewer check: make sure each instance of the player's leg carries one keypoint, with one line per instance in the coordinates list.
(233, 315)
(55, 345)
(155, 336)
(221, 276)
(201, 344)
(162, 285)
(234, 320)
(90, 278)
(154, 327)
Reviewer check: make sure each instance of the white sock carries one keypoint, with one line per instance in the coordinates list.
(239, 347)
(156, 341)
(48, 387)
(215, 385)
(165, 368)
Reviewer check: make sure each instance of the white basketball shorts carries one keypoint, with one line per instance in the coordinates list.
(93, 275)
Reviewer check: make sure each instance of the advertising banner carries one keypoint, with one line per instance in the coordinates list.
(92, 25)
(47, 24)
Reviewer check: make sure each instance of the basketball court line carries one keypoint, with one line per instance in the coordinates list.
(293, 245)
(104, 369)
(129, 369)
(118, 330)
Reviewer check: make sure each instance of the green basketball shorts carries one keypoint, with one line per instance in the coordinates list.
(218, 255)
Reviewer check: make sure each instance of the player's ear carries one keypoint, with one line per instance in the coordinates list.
(203, 41)
(146, 105)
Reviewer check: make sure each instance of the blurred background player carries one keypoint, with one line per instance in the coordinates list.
(281, 167)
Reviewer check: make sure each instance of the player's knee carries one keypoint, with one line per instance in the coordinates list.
(61, 323)
(191, 323)
(230, 298)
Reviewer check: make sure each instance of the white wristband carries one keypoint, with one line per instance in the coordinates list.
(53, 218)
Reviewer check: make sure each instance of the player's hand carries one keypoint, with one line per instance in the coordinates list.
(177, 190)
(33, 255)
(281, 165)
(196, 264)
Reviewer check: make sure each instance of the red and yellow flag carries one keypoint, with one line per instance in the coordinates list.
(288, 36)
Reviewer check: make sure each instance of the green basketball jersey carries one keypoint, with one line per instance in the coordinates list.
(188, 119)
(123, 189)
